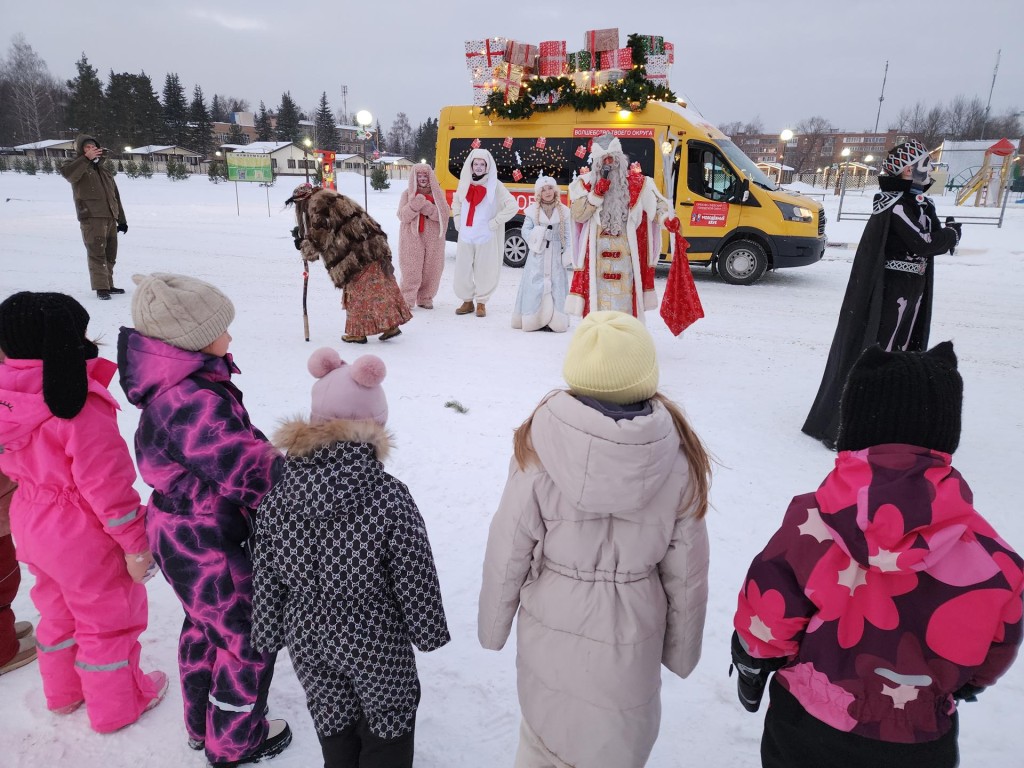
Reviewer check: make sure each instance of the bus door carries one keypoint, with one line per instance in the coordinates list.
(705, 198)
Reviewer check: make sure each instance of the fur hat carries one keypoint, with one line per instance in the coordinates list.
(301, 192)
(183, 311)
(611, 358)
(436, 192)
(902, 397)
(605, 144)
(50, 327)
(901, 156)
(347, 391)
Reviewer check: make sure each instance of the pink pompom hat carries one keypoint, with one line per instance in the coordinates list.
(347, 390)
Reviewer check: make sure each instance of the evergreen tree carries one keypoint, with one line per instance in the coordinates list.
(425, 147)
(326, 130)
(264, 131)
(400, 137)
(175, 112)
(200, 126)
(148, 111)
(133, 115)
(236, 135)
(288, 128)
(85, 108)
(379, 177)
(218, 112)
(379, 138)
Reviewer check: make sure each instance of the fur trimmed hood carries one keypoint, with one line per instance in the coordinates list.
(297, 437)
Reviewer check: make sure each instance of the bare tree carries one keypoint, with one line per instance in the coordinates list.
(400, 137)
(1007, 125)
(753, 126)
(813, 143)
(37, 98)
(965, 118)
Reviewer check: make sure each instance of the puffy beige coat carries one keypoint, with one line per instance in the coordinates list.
(610, 581)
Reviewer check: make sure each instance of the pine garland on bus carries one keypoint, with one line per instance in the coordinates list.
(631, 93)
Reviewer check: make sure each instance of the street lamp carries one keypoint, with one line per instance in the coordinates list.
(306, 144)
(785, 137)
(867, 159)
(365, 120)
(841, 169)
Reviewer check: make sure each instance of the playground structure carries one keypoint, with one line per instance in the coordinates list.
(988, 182)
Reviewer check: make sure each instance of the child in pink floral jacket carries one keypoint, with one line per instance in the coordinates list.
(884, 597)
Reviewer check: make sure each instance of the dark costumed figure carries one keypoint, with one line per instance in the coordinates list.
(888, 300)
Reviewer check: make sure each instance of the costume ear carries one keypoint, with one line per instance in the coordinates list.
(873, 358)
(943, 353)
(65, 385)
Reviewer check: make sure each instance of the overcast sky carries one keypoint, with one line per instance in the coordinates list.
(735, 59)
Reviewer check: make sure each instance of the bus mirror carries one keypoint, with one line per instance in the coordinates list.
(743, 190)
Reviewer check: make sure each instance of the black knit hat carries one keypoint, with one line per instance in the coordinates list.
(902, 397)
(50, 327)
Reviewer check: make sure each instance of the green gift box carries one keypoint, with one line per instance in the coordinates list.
(652, 44)
(580, 61)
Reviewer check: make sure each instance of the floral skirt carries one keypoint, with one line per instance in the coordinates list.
(373, 303)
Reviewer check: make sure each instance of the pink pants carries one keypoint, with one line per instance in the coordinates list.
(88, 634)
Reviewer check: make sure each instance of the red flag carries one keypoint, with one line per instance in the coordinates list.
(680, 306)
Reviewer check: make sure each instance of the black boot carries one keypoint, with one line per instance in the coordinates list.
(117, 291)
(103, 293)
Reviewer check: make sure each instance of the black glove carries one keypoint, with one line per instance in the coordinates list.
(956, 226)
(968, 692)
(123, 227)
(752, 674)
(296, 239)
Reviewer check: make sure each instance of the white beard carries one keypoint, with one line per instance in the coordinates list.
(615, 208)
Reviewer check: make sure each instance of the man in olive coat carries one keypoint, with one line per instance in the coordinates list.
(98, 205)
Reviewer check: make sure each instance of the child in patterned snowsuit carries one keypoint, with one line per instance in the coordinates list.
(344, 575)
(884, 597)
(78, 523)
(209, 467)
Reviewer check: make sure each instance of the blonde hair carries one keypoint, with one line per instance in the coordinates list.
(697, 456)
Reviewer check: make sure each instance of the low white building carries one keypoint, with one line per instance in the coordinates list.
(286, 157)
(158, 155)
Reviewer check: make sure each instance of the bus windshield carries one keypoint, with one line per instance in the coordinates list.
(745, 164)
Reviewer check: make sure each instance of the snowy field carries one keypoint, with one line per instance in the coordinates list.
(746, 375)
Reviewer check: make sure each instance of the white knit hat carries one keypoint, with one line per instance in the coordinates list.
(611, 358)
(184, 312)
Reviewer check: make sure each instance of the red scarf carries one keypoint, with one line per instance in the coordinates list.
(474, 195)
(430, 199)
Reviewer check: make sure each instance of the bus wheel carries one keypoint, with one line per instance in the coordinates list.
(742, 262)
(516, 249)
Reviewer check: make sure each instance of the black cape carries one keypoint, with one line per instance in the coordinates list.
(859, 318)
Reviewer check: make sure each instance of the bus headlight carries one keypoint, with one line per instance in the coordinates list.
(795, 212)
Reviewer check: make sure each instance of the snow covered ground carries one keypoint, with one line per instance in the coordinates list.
(746, 375)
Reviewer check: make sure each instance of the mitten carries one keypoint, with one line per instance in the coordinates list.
(296, 239)
(122, 227)
(957, 228)
(968, 692)
(673, 224)
(752, 674)
(602, 186)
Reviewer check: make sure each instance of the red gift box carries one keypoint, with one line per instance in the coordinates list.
(552, 61)
(475, 143)
(507, 143)
(541, 143)
(597, 40)
(620, 58)
(517, 175)
(581, 151)
(670, 51)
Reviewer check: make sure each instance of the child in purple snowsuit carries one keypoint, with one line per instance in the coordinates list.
(209, 468)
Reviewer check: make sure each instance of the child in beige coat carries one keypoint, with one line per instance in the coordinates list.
(600, 542)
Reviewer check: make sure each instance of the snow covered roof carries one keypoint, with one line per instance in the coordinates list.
(45, 143)
(258, 147)
(150, 149)
(393, 160)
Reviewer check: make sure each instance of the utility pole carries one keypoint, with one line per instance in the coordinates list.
(344, 103)
(988, 106)
(881, 98)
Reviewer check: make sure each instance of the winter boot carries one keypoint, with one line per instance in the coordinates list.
(426, 304)
(26, 653)
(390, 333)
(103, 294)
(465, 308)
(353, 339)
(279, 736)
(481, 310)
(22, 629)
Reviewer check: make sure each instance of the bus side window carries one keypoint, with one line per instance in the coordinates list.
(708, 174)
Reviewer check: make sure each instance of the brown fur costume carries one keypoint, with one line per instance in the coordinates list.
(337, 228)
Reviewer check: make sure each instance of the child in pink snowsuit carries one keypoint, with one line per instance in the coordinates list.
(77, 522)
(421, 238)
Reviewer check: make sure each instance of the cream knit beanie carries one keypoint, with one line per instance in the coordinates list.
(182, 311)
(611, 358)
